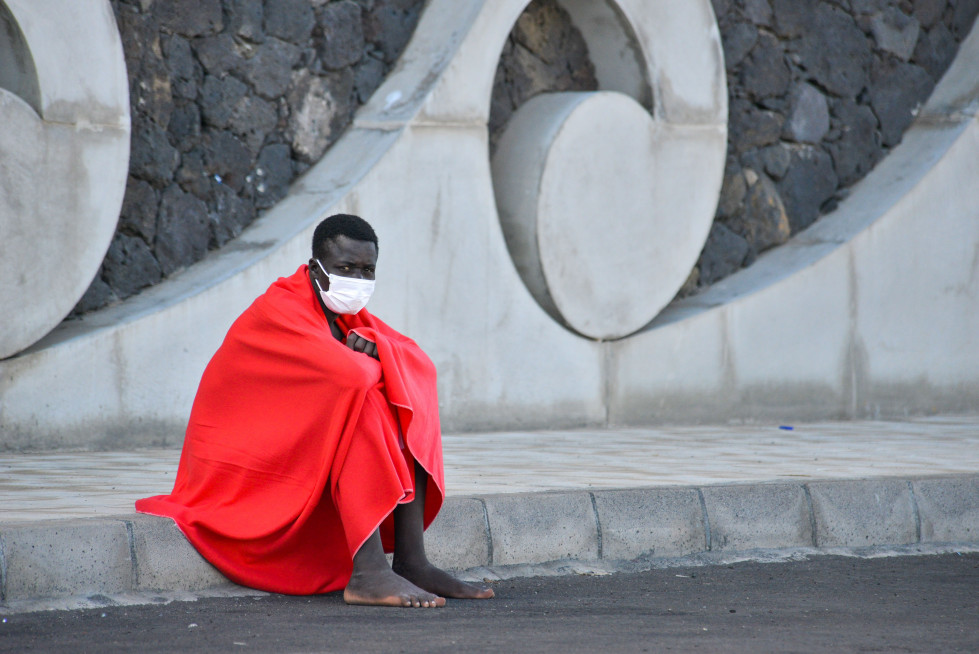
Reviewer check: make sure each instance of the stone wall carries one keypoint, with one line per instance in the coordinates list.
(230, 101)
(545, 52)
(819, 92)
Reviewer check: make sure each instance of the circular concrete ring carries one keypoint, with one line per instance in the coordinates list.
(64, 157)
(590, 212)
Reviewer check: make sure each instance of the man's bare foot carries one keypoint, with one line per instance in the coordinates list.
(439, 581)
(385, 588)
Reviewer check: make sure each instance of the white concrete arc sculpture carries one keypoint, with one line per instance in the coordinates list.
(841, 319)
(416, 164)
(604, 210)
(64, 155)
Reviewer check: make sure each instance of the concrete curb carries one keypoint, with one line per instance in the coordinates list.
(137, 553)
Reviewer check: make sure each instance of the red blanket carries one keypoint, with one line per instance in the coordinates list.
(292, 456)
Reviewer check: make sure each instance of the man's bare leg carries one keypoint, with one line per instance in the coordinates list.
(374, 583)
(410, 560)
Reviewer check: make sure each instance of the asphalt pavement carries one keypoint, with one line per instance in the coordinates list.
(820, 604)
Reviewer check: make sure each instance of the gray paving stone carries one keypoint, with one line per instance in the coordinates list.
(949, 509)
(66, 557)
(458, 537)
(660, 522)
(165, 560)
(542, 527)
(858, 513)
(758, 516)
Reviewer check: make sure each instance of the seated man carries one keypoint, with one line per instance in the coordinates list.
(314, 443)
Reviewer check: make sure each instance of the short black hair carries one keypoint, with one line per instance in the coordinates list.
(342, 224)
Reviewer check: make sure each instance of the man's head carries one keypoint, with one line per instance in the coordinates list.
(352, 227)
(343, 245)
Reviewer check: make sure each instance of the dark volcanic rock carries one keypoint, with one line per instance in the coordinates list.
(97, 296)
(290, 20)
(895, 32)
(252, 119)
(192, 176)
(138, 215)
(929, 12)
(210, 86)
(723, 254)
(792, 17)
(739, 38)
(220, 97)
(269, 70)
(368, 77)
(935, 50)
(844, 68)
(129, 266)
(964, 17)
(898, 90)
(185, 125)
(808, 119)
(758, 12)
(751, 127)
(859, 147)
(226, 157)
(229, 214)
(151, 157)
(388, 24)
(272, 175)
(273, 103)
(321, 108)
(218, 54)
(809, 182)
(247, 19)
(765, 73)
(185, 72)
(341, 35)
(182, 231)
(733, 190)
(190, 17)
(151, 91)
(774, 160)
(762, 220)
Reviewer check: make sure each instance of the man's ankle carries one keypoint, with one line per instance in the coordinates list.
(409, 562)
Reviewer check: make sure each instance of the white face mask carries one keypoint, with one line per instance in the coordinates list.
(347, 295)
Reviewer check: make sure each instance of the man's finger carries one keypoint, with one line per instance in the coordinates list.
(358, 343)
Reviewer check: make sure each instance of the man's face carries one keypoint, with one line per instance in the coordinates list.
(345, 257)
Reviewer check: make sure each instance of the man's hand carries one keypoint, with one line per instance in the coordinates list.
(358, 343)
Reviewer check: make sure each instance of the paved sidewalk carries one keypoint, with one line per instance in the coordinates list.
(86, 484)
(67, 526)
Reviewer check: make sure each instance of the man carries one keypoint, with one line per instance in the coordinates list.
(314, 443)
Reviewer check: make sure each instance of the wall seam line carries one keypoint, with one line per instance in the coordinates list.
(3, 571)
(916, 512)
(598, 525)
(131, 539)
(489, 531)
(706, 518)
(812, 515)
